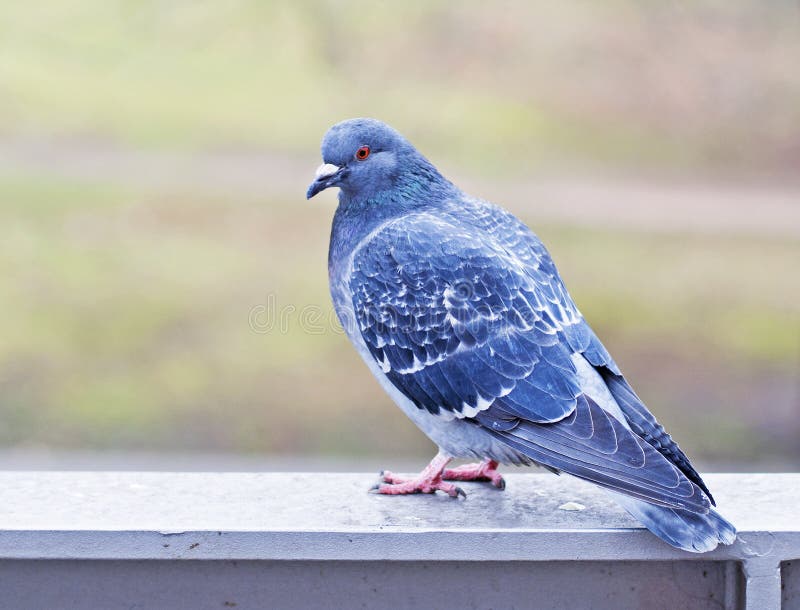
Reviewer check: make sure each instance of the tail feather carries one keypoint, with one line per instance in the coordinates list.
(690, 531)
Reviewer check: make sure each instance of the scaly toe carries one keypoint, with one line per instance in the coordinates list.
(387, 476)
(485, 472)
(418, 487)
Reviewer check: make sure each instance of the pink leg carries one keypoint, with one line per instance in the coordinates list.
(484, 471)
(428, 481)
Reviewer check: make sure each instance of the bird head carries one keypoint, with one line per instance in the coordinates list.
(362, 157)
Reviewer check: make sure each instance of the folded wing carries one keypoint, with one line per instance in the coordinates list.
(468, 328)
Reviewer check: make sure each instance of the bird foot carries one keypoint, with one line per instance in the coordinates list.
(483, 471)
(427, 482)
(395, 486)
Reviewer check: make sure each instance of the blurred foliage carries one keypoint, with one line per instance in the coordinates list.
(128, 302)
(653, 83)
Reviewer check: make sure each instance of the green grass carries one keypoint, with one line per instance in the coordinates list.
(733, 294)
(126, 308)
(127, 323)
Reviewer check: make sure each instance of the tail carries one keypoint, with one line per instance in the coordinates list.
(693, 532)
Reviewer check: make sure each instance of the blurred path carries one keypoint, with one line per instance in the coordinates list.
(641, 204)
(654, 205)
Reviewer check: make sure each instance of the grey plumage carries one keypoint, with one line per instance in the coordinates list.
(459, 311)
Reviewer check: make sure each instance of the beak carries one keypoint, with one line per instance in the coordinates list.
(327, 175)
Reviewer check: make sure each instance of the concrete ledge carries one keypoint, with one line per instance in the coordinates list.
(304, 521)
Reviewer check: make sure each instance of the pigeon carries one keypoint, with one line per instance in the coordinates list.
(458, 310)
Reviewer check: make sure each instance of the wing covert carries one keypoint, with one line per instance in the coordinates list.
(457, 323)
(467, 327)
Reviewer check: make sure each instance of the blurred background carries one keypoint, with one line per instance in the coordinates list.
(163, 281)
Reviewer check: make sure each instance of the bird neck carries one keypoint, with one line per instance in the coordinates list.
(417, 189)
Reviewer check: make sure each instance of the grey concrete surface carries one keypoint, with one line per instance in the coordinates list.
(355, 584)
(325, 532)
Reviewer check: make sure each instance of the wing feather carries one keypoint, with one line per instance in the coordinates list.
(482, 328)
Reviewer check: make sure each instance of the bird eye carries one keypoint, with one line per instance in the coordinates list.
(362, 153)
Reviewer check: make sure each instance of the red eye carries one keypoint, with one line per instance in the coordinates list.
(362, 153)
